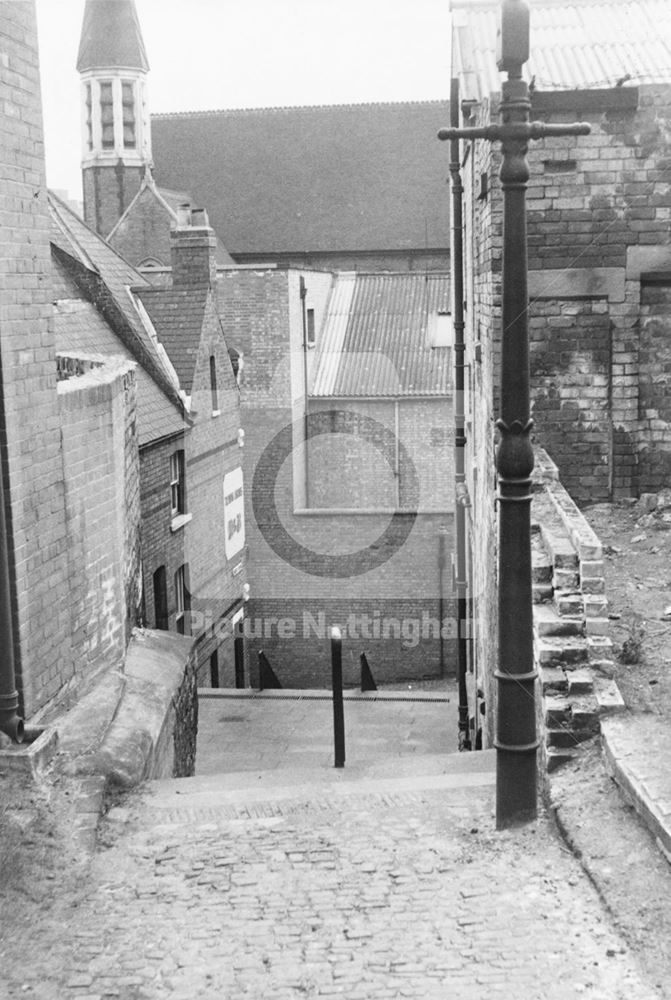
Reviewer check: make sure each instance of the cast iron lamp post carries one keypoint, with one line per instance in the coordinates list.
(516, 736)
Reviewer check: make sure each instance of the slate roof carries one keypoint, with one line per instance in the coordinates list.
(179, 314)
(331, 178)
(590, 44)
(86, 266)
(374, 338)
(111, 37)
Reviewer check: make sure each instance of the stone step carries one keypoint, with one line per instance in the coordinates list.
(556, 756)
(566, 579)
(553, 680)
(542, 593)
(555, 651)
(559, 548)
(548, 622)
(568, 737)
(579, 682)
(608, 697)
(569, 603)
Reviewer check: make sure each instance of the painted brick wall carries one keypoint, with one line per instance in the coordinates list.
(100, 453)
(31, 447)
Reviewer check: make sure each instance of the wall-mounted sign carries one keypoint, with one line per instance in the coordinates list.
(234, 513)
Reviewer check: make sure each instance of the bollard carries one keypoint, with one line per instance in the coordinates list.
(336, 684)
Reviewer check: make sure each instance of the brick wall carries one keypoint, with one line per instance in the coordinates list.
(570, 385)
(144, 232)
(31, 446)
(100, 454)
(654, 455)
(108, 191)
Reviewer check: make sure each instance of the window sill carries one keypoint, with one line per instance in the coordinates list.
(216, 413)
(178, 522)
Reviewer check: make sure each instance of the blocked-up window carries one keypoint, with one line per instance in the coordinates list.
(177, 484)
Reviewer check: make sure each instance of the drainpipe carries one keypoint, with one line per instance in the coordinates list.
(10, 721)
(397, 456)
(442, 539)
(461, 493)
(306, 417)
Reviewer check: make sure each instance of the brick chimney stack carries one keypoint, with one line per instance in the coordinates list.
(193, 247)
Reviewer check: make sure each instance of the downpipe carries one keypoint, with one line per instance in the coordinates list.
(11, 723)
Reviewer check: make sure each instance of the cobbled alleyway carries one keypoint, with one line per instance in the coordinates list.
(383, 882)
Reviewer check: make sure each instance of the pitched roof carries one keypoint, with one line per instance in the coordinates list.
(111, 37)
(375, 337)
(179, 314)
(143, 231)
(87, 268)
(79, 327)
(590, 44)
(342, 177)
(72, 235)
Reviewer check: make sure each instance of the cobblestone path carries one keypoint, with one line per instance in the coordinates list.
(368, 890)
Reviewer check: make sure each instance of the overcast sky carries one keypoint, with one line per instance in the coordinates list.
(207, 54)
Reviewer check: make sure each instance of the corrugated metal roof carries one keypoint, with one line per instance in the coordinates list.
(589, 45)
(111, 37)
(374, 339)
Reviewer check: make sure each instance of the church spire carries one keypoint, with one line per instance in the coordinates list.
(116, 145)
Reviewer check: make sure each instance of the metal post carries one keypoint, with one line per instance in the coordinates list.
(336, 684)
(460, 583)
(516, 740)
(239, 655)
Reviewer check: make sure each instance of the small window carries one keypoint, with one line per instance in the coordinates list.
(213, 384)
(107, 114)
(177, 484)
(160, 599)
(439, 330)
(311, 326)
(128, 105)
(89, 117)
(182, 600)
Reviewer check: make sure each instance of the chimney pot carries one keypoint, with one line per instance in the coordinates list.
(184, 215)
(199, 217)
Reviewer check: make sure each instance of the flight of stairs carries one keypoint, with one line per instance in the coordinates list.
(573, 650)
